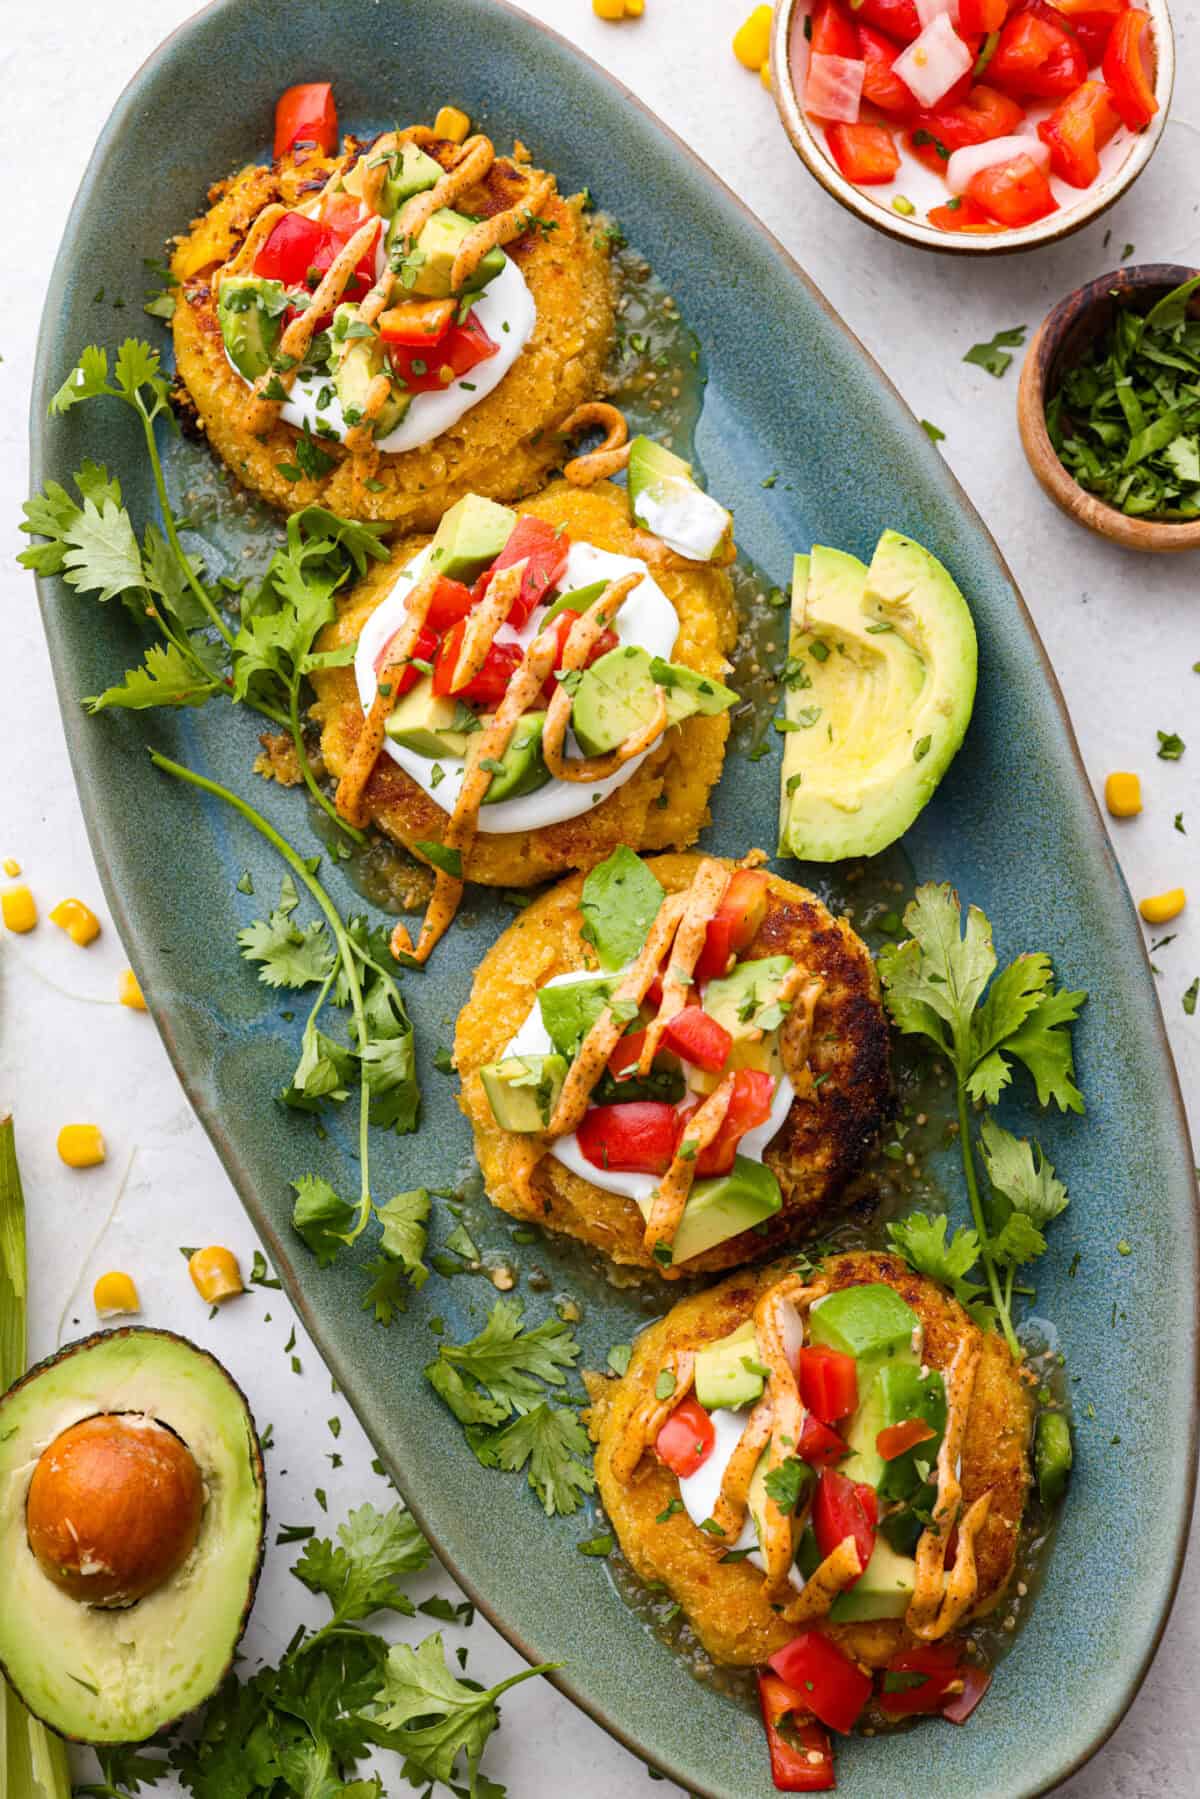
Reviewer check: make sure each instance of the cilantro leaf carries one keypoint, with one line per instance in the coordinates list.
(101, 553)
(432, 1718)
(934, 981)
(1020, 1172)
(291, 955)
(509, 1361)
(620, 902)
(786, 1484)
(470, 1404)
(1044, 1046)
(165, 678)
(921, 1240)
(558, 1451)
(994, 355)
(359, 1575)
(1018, 1240)
(321, 1218)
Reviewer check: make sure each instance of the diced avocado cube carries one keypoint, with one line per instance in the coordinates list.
(870, 1320)
(570, 1009)
(689, 692)
(579, 601)
(423, 721)
(729, 1372)
(250, 313)
(1052, 1455)
(746, 999)
(896, 1392)
(411, 172)
(884, 1589)
(521, 768)
(438, 244)
(523, 1090)
(665, 499)
(808, 1552)
(723, 1206)
(470, 537)
(903, 1528)
(616, 696)
(357, 361)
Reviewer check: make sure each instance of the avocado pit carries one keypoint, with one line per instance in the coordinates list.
(114, 1508)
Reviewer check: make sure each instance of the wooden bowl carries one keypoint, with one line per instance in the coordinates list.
(1061, 340)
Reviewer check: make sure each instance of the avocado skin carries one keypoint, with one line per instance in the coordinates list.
(258, 1471)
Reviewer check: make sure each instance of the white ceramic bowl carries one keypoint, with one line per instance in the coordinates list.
(1121, 161)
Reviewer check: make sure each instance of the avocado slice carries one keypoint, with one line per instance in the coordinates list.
(579, 601)
(729, 1372)
(470, 537)
(616, 696)
(880, 688)
(744, 1000)
(896, 1392)
(250, 313)
(119, 1675)
(870, 1322)
(410, 172)
(664, 497)
(569, 1009)
(723, 1206)
(356, 362)
(521, 768)
(1052, 1455)
(423, 721)
(438, 244)
(884, 1589)
(523, 1090)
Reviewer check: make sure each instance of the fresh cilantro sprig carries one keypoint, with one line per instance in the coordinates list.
(496, 1387)
(942, 985)
(344, 960)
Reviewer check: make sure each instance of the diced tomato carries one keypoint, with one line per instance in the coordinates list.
(298, 250)
(961, 215)
(880, 86)
(1129, 68)
(306, 114)
(1014, 192)
(625, 1056)
(1038, 56)
(686, 1440)
(801, 1762)
(1077, 130)
(1076, 9)
(417, 322)
(818, 1445)
(698, 1038)
(451, 601)
(828, 1382)
(545, 548)
(735, 923)
(898, 1439)
(938, 1665)
(834, 1687)
(429, 369)
(980, 16)
(844, 1508)
(995, 114)
(865, 154)
(976, 1681)
(424, 650)
(1093, 27)
(562, 627)
(637, 1137)
(899, 18)
(489, 686)
(749, 1106)
(833, 32)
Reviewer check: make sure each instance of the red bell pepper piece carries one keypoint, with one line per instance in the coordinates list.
(699, 1039)
(1077, 129)
(899, 18)
(417, 323)
(865, 154)
(749, 1106)
(834, 1687)
(801, 1762)
(940, 1667)
(489, 686)
(818, 1445)
(686, 1440)
(828, 1382)
(424, 650)
(898, 1439)
(833, 32)
(1015, 192)
(562, 626)
(976, 1681)
(1038, 55)
(306, 114)
(626, 1055)
(298, 250)
(880, 86)
(426, 369)
(636, 1137)
(961, 215)
(1129, 68)
(735, 923)
(545, 549)
(1093, 26)
(451, 601)
(982, 114)
(844, 1508)
(980, 16)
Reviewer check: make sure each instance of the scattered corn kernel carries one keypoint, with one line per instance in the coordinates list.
(1123, 794)
(764, 75)
(19, 909)
(453, 123)
(81, 1145)
(77, 920)
(903, 206)
(609, 9)
(752, 41)
(634, 8)
(129, 991)
(12, 867)
(215, 1273)
(1161, 908)
(115, 1292)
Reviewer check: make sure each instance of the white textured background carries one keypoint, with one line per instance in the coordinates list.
(1123, 633)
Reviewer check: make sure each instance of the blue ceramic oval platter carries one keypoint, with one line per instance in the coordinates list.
(787, 391)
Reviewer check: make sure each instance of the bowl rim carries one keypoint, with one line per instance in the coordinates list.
(915, 231)
(1157, 536)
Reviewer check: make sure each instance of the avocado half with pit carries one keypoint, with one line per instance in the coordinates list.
(132, 1513)
(880, 686)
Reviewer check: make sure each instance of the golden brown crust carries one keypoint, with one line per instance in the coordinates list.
(501, 448)
(727, 1604)
(683, 769)
(826, 1134)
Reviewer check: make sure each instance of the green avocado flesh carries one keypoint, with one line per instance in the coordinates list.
(423, 721)
(723, 1206)
(729, 1372)
(118, 1676)
(470, 537)
(411, 172)
(665, 498)
(617, 696)
(523, 1090)
(250, 313)
(438, 245)
(521, 768)
(884, 1589)
(879, 691)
